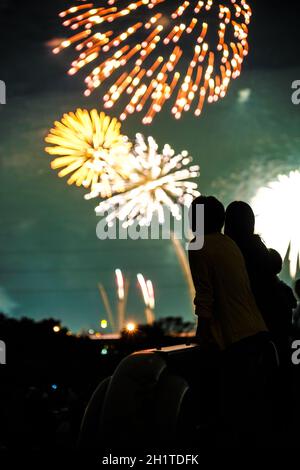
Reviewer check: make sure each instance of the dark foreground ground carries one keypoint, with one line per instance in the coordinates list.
(50, 377)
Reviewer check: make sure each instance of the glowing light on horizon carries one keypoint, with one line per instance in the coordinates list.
(91, 151)
(157, 180)
(131, 327)
(187, 49)
(276, 207)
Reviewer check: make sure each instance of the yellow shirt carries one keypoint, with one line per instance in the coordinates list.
(223, 292)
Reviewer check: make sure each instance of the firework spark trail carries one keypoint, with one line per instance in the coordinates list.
(122, 293)
(107, 306)
(148, 297)
(184, 263)
(146, 59)
(91, 149)
(157, 180)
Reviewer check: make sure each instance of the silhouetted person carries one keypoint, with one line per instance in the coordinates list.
(283, 305)
(228, 318)
(240, 226)
(225, 306)
(296, 315)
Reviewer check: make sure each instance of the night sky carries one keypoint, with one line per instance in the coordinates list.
(50, 258)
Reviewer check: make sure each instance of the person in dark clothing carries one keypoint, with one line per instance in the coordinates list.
(283, 307)
(297, 288)
(240, 226)
(286, 292)
(272, 298)
(296, 314)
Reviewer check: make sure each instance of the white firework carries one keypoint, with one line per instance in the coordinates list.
(157, 180)
(276, 207)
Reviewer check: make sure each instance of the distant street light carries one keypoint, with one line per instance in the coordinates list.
(131, 327)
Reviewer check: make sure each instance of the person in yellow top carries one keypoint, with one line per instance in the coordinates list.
(224, 304)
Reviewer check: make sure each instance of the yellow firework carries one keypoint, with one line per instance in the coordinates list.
(92, 151)
(156, 49)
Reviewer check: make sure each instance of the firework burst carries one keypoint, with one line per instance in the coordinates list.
(189, 49)
(277, 211)
(91, 149)
(157, 180)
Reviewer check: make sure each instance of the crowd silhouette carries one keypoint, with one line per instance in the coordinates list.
(237, 266)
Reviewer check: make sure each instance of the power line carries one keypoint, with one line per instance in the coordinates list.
(81, 289)
(77, 250)
(78, 269)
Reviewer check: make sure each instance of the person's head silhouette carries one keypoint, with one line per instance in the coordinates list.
(239, 220)
(297, 288)
(275, 261)
(214, 215)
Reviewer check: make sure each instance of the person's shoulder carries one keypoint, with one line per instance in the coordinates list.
(288, 292)
(231, 248)
(193, 251)
(258, 242)
(297, 312)
(212, 240)
(228, 241)
(224, 244)
(257, 251)
(210, 243)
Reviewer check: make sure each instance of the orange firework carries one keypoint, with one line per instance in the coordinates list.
(190, 50)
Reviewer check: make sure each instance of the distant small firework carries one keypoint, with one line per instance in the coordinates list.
(122, 293)
(157, 180)
(189, 49)
(92, 150)
(148, 297)
(120, 284)
(276, 207)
